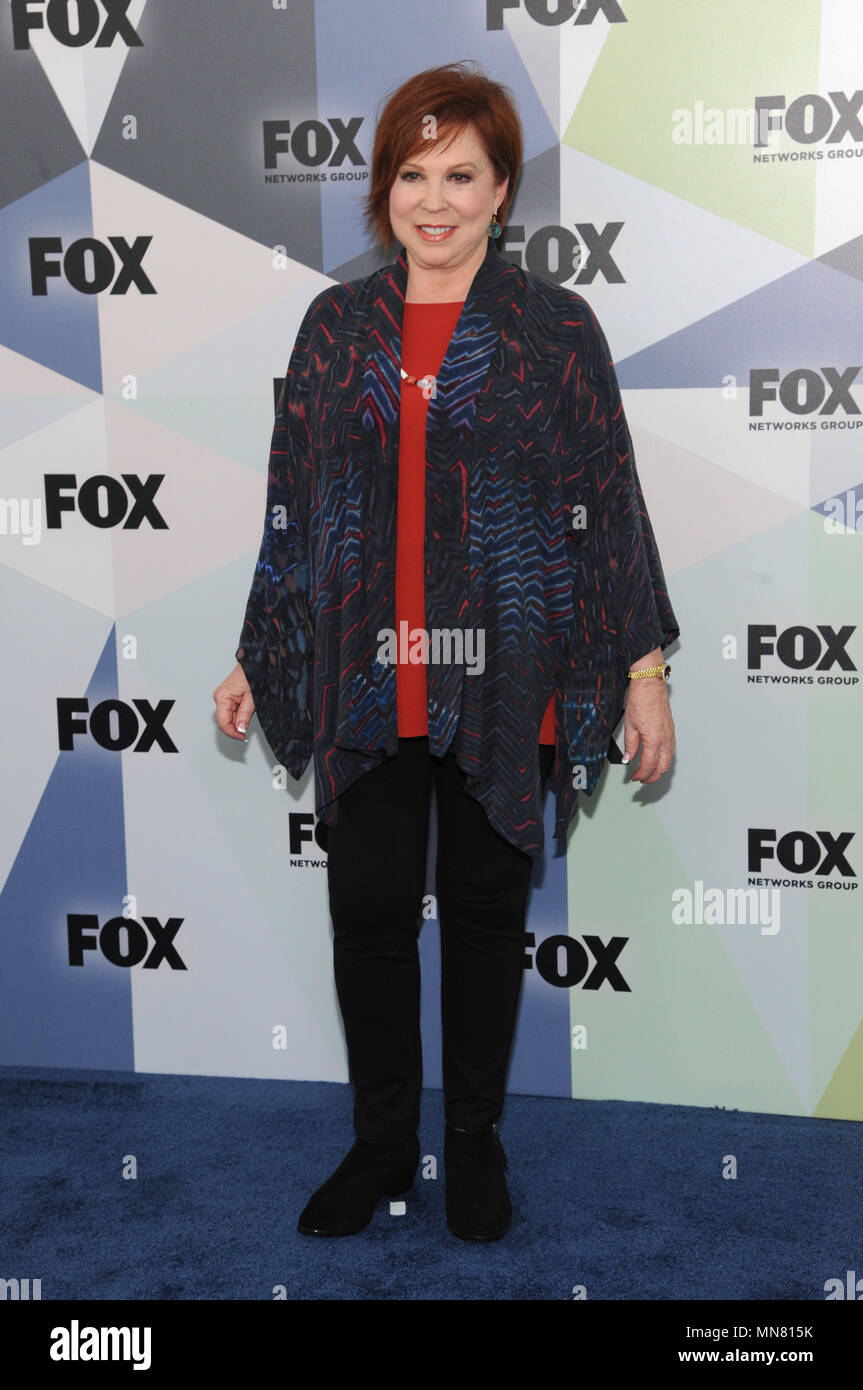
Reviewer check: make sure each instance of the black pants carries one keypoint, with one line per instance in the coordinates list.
(376, 875)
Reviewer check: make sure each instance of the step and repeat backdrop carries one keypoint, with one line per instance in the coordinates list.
(178, 179)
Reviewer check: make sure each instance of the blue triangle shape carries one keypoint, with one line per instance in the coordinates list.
(60, 329)
(807, 318)
(844, 509)
(72, 860)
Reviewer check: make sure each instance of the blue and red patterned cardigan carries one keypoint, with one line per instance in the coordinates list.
(525, 430)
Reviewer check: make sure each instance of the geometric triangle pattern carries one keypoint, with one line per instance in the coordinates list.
(68, 876)
(190, 178)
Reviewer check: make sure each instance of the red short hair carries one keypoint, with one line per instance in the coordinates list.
(456, 97)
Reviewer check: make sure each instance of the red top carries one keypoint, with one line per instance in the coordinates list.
(426, 332)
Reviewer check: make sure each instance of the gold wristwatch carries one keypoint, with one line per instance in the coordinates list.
(664, 671)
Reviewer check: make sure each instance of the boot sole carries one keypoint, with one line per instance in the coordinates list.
(398, 1189)
(495, 1235)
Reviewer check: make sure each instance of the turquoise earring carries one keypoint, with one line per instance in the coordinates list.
(494, 227)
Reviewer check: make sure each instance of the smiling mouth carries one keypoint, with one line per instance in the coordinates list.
(430, 229)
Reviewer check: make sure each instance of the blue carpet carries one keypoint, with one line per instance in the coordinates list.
(624, 1198)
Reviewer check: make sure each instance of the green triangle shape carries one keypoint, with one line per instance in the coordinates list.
(687, 1033)
(843, 1096)
(670, 56)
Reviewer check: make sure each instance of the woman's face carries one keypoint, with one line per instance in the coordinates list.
(452, 188)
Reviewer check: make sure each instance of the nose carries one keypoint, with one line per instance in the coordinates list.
(434, 198)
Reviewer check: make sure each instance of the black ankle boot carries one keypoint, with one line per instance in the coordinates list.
(477, 1201)
(346, 1202)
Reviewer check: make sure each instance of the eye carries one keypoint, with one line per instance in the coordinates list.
(409, 175)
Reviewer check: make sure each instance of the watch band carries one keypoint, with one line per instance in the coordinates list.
(664, 671)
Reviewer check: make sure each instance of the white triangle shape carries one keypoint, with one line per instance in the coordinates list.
(84, 79)
(579, 46)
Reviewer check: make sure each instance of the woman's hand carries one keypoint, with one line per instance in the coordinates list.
(234, 704)
(648, 722)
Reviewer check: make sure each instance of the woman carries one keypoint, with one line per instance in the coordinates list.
(458, 584)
